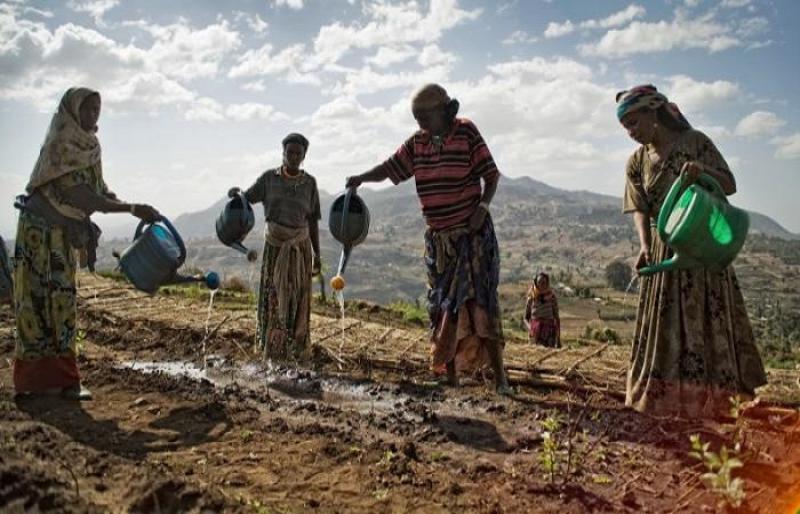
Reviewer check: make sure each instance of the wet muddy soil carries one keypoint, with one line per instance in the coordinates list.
(172, 430)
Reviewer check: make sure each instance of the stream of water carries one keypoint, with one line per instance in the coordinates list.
(211, 295)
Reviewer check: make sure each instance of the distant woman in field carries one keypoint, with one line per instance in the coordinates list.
(65, 188)
(541, 313)
(693, 344)
(291, 253)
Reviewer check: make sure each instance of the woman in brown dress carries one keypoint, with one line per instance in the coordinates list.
(693, 345)
(291, 253)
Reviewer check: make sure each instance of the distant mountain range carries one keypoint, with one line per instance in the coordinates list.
(539, 227)
(523, 201)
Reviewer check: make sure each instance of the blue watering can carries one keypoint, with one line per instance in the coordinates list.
(155, 255)
(348, 222)
(234, 223)
(701, 227)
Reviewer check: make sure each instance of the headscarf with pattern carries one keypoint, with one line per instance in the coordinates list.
(67, 146)
(647, 96)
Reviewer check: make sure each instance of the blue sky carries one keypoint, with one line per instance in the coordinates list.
(198, 94)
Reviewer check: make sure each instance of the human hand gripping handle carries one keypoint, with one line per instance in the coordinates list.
(146, 213)
(644, 258)
(353, 182)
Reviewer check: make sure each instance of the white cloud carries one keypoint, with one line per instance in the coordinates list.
(759, 123)
(40, 64)
(256, 85)
(292, 4)
(432, 55)
(622, 17)
(253, 111)
(390, 55)
(205, 109)
(788, 146)
(735, 4)
(188, 53)
(555, 29)
(39, 12)
(539, 67)
(518, 37)
(390, 24)
(751, 27)
(291, 62)
(96, 8)
(254, 22)
(692, 3)
(366, 81)
(652, 37)
(691, 94)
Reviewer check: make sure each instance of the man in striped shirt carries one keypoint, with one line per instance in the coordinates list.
(456, 179)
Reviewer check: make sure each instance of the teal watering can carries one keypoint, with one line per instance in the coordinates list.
(155, 255)
(701, 227)
(348, 222)
(234, 223)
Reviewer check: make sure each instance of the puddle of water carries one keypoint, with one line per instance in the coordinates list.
(290, 383)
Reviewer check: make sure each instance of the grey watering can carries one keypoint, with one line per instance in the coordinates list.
(155, 255)
(234, 223)
(349, 223)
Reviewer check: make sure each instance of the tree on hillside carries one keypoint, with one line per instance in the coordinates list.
(618, 274)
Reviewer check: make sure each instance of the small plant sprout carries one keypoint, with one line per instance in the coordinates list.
(718, 477)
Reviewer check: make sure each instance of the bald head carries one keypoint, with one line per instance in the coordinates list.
(429, 97)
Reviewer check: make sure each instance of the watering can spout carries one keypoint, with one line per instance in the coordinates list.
(667, 265)
(676, 262)
(343, 259)
(252, 255)
(210, 279)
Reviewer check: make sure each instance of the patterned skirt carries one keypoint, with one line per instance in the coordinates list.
(545, 332)
(284, 314)
(693, 345)
(45, 307)
(463, 274)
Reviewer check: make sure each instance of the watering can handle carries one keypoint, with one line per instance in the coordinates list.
(666, 207)
(675, 192)
(712, 184)
(178, 239)
(243, 198)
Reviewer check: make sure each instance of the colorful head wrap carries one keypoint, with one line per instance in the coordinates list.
(647, 96)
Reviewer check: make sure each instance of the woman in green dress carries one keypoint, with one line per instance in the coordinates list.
(54, 236)
(693, 345)
(291, 253)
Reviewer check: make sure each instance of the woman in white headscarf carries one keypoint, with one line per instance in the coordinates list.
(66, 186)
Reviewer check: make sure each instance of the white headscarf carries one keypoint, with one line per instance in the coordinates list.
(67, 147)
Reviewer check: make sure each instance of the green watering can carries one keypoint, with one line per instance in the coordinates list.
(701, 227)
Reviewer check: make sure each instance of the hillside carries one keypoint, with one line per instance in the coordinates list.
(187, 418)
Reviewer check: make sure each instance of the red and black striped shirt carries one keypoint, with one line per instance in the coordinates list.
(448, 179)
